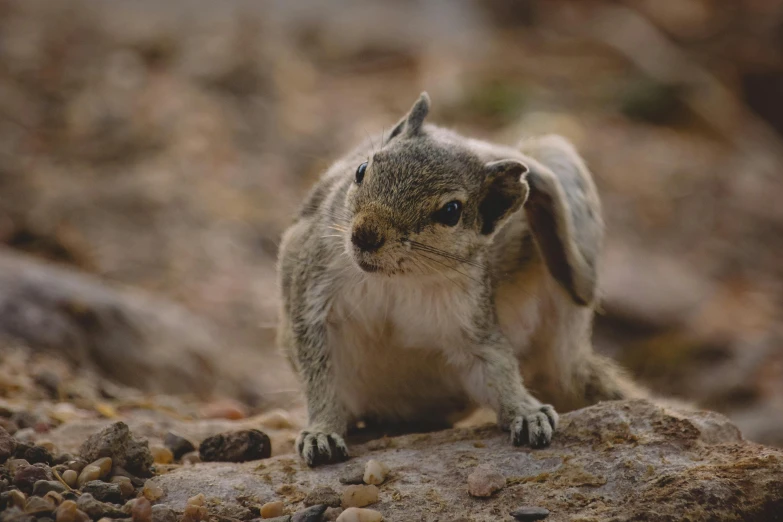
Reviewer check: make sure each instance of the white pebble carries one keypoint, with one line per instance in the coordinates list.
(359, 496)
(353, 514)
(375, 472)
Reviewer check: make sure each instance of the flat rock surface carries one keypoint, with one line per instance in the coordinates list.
(616, 461)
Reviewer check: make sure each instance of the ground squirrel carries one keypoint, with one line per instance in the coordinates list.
(427, 272)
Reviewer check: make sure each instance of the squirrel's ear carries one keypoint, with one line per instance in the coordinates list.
(564, 214)
(410, 124)
(503, 192)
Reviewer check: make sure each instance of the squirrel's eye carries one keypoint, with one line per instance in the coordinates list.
(360, 172)
(449, 214)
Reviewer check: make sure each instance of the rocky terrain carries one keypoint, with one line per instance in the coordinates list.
(617, 461)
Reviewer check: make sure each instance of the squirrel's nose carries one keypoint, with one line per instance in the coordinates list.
(367, 239)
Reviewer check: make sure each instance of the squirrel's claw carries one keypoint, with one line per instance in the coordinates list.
(318, 448)
(535, 428)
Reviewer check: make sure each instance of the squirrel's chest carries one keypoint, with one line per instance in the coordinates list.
(395, 314)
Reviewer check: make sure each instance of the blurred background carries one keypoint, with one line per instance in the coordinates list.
(152, 152)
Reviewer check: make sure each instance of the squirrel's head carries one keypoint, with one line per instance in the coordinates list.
(423, 202)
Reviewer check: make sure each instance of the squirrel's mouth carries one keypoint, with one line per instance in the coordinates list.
(368, 267)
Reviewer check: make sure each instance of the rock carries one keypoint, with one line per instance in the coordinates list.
(96, 509)
(42, 487)
(485, 481)
(117, 442)
(104, 464)
(70, 477)
(311, 514)
(191, 458)
(323, 495)
(152, 491)
(77, 465)
(179, 446)
(331, 514)
(272, 509)
(375, 472)
(15, 465)
(164, 513)
(237, 446)
(16, 498)
(126, 486)
(359, 496)
(353, 473)
(104, 491)
(54, 497)
(131, 337)
(162, 455)
(625, 459)
(68, 511)
(142, 510)
(530, 514)
(195, 510)
(39, 507)
(26, 477)
(88, 474)
(7, 445)
(360, 515)
(37, 455)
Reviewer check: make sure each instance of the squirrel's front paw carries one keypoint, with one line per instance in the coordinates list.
(316, 447)
(534, 427)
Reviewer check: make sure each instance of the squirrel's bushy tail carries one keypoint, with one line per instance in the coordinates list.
(602, 379)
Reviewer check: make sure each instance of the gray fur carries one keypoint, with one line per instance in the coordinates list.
(390, 314)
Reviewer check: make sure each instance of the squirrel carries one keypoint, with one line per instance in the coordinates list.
(428, 273)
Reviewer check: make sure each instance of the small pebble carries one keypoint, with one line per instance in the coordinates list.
(359, 496)
(42, 487)
(164, 513)
(16, 498)
(70, 477)
(26, 477)
(162, 455)
(236, 446)
(195, 510)
(37, 455)
(311, 514)
(152, 492)
(76, 464)
(191, 458)
(272, 509)
(96, 509)
(142, 510)
(352, 474)
(88, 474)
(7, 445)
(15, 465)
(331, 514)
(530, 513)
(485, 481)
(375, 472)
(38, 506)
(104, 464)
(178, 446)
(104, 491)
(54, 497)
(126, 486)
(360, 515)
(323, 495)
(69, 512)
